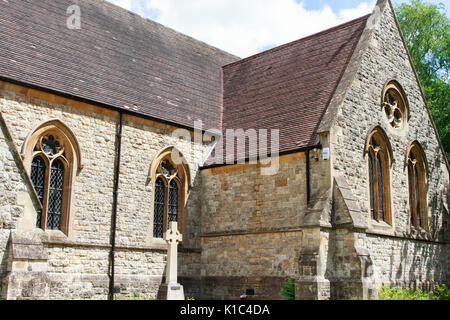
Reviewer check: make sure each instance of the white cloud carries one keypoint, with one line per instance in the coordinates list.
(245, 27)
(126, 4)
(353, 13)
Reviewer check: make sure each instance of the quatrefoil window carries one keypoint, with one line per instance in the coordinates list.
(51, 146)
(167, 168)
(394, 105)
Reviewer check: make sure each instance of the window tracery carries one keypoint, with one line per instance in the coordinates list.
(378, 169)
(52, 156)
(417, 188)
(170, 187)
(49, 168)
(395, 105)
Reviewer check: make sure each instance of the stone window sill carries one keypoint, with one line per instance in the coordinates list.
(53, 236)
(158, 242)
(380, 228)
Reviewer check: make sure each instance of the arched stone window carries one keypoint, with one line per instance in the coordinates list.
(171, 179)
(379, 161)
(51, 154)
(395, 105)
(417, 186)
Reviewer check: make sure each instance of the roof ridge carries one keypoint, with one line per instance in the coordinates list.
(283, 46)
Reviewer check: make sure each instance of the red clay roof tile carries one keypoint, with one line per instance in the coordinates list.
(288, 87)
(116, 59)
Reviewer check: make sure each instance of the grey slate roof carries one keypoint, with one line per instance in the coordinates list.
(116, 59)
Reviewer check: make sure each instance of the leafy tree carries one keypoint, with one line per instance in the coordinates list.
(426, 30)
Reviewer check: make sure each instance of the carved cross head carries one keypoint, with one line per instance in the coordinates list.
(172, 235)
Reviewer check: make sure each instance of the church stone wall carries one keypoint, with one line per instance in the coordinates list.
(14, 197)
(78, 265)
(10, 184)
(406, 262)
(253, 226)
(398, 255)
(239, 197)
(242, 230)
(24, 109)
(231, 264)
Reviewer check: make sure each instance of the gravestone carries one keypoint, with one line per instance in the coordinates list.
(172, 290)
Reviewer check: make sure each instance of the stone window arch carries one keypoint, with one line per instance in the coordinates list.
(417, 169)
(379, 159)
(395, 105)
(170, 179)
(52, 157)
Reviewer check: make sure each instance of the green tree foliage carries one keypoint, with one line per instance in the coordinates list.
(426, 30)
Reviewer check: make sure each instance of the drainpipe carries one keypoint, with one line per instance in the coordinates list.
(308, 177)
(114, 217)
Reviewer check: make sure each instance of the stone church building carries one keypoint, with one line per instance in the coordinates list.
(92, 118)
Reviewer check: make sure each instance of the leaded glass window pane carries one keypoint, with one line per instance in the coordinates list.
(411, 198)
(173, 202)
(38, 169)
(372, 202)
(55, 196)
(158, 219)
(380, 188)
(416, 179)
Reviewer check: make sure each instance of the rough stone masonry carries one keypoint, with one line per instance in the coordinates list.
(243, 232)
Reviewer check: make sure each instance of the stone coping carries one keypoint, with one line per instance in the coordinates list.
(260, 231)
(423, 237)
(416, 236)
(155, 247)
(58, 238)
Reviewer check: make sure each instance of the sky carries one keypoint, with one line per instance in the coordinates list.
(246, 27)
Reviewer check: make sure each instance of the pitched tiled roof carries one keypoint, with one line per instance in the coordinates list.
(117, 59)
(121, 60)
(288, 87)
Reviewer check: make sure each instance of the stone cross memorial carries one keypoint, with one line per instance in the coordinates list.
(172, 236)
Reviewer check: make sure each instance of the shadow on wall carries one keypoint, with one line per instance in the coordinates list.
(4, 268)
(421, 266)
(437, 202)
(192, 215)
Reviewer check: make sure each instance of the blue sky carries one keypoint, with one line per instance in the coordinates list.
(334, 4)
(341, 4)
(246, 27)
